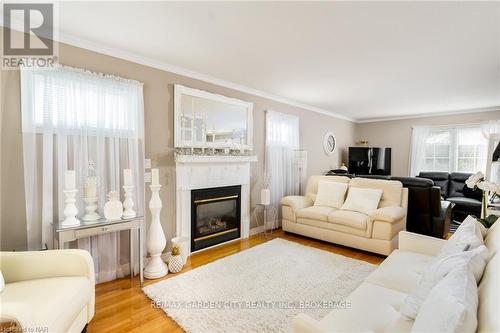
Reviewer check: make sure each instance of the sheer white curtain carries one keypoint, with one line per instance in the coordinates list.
(490, 127)
(419, 135)
(71, 117)
(282, 139)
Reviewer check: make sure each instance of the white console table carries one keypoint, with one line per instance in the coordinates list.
(63, 235)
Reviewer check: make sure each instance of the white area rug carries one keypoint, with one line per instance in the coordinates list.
(259, 289)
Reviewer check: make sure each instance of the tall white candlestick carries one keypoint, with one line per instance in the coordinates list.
(70, 209)
(127, 177)
(156, 242)
(70, 180)
(155, 177)
(128, 203)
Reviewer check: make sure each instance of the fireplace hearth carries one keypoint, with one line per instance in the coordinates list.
(215, 216)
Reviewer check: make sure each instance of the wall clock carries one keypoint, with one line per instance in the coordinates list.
(329, 143)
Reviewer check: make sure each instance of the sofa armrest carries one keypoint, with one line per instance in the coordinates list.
(296, 202)
(302, 323)
(30, 265)
(409, 241)
(389, 214)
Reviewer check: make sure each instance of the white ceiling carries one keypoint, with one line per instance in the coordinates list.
(361, 60)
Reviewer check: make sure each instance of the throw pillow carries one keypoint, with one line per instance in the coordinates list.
(474, 260)
(331, 194)
(467, 234)
(482, 228)
(362, 200)
(471, 193)
(451, 305)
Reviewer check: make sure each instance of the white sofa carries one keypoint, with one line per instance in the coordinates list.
(47, 291)
(375, 304)
(376, 232)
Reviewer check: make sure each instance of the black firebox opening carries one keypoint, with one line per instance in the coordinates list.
(215, 216)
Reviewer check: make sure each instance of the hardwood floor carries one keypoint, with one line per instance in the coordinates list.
(122, 307)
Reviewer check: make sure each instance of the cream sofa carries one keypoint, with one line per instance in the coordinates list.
(48, 291)
(376, 302)
(376, 232)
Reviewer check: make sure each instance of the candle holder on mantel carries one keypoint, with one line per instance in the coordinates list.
(156, 241)
(70, 210)
(128, 203)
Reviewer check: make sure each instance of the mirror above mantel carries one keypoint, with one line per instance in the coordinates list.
(207, 120)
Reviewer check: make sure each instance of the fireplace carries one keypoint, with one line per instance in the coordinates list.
(215, 216)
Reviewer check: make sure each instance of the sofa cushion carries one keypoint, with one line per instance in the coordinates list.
(440, 179)
(362, 200)
(472, 193)
(473, 260)
(401, 271)
(373, 309)
(349, 218)
(392, 189)
(388, 214)
(451, 305)
(333, 227)
(57, 301)
(315, 213)
(331, 194)
(457, 181)
(465, 202)
(468, 234)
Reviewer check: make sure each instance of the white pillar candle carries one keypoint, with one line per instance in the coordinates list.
(90, 187)
(265, 197)
(70, 180)
(155, 177)
(127, 177)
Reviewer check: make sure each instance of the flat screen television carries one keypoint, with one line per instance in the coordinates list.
(369, 161)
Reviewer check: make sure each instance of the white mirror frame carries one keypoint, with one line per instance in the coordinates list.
(180, 90)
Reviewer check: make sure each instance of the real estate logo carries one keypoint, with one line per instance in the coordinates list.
(28, 35)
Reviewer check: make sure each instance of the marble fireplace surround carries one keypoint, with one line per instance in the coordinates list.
(200, 171)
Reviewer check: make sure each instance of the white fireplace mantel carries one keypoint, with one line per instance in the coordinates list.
(214, 159)
(201, 171)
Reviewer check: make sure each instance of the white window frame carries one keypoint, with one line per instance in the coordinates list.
(453, 149)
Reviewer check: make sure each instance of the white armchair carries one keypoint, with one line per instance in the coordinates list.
(48, 291)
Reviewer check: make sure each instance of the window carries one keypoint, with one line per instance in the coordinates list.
(438, 151)
(461, 149)
(282, 140)
(66, 98)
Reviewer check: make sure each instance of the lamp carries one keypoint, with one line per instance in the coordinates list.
(300, 161)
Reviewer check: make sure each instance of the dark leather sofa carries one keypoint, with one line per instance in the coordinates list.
(453, 189)
(427, 213)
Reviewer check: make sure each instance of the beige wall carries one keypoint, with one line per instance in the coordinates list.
(158, 104)
(397, 134)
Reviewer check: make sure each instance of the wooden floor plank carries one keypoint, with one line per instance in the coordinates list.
(121, 305)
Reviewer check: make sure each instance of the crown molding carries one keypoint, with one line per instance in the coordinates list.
(167, 67)
(426, 115)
